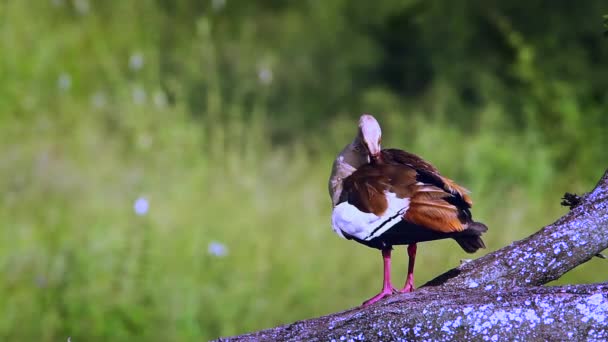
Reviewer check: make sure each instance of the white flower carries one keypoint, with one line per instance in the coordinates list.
(265, 75)
(217, 249)
(64, 82)
(136, 61)
(141, 206)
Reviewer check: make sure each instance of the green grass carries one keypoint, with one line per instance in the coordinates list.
(84, 135)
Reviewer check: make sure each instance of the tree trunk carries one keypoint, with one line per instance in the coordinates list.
(495, 298)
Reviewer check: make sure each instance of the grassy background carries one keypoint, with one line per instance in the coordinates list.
(225, 116)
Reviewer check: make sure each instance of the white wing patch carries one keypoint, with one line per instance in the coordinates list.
(346, 218)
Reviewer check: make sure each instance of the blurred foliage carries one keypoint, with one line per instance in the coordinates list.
(224, 116)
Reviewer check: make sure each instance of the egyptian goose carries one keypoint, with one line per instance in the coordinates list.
(387, 197)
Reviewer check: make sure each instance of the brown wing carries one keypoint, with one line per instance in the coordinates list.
(430, 206)
(366, 187)
(395, 156)
(427, 172)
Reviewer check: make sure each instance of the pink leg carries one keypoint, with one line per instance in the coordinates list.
(409, 281)
(387, 288)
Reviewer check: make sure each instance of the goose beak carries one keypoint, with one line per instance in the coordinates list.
(374, 150)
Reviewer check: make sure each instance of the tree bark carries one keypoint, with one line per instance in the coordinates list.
(536, 313)
(495, 298)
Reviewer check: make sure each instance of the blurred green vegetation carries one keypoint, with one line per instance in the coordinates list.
(224, 116)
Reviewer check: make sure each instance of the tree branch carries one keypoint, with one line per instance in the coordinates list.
(528, 314)
(491, 297)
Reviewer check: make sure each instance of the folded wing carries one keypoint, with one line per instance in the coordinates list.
(431, 202)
